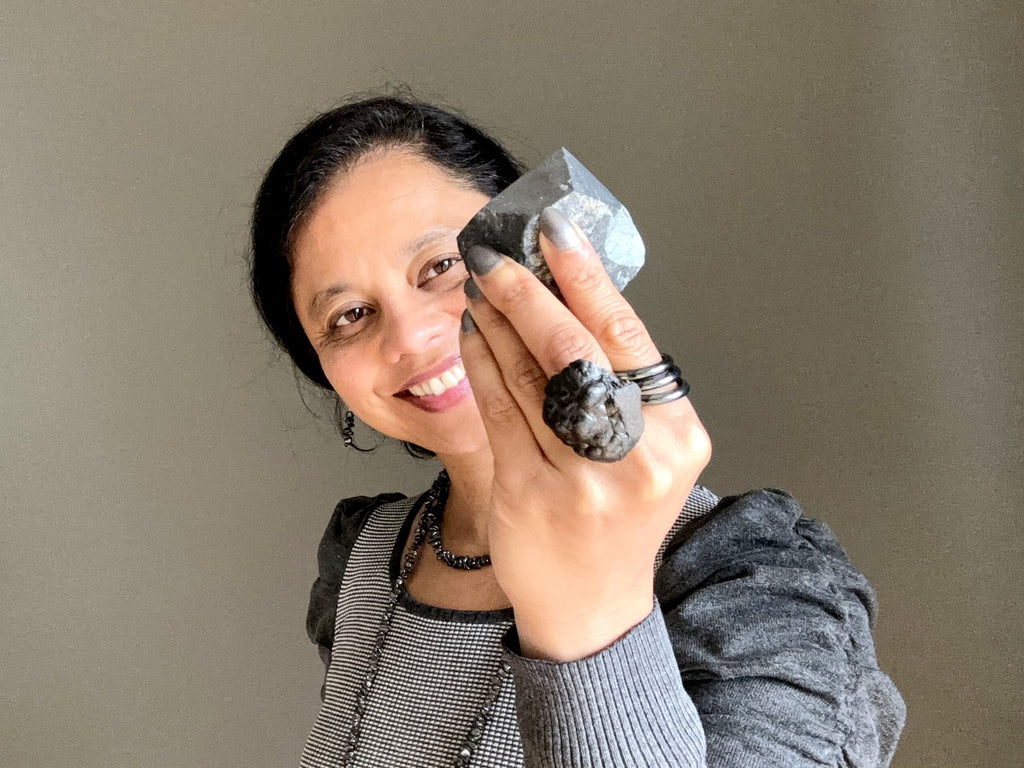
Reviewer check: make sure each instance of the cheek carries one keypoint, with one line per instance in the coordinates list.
(455, 297)
(350, 377)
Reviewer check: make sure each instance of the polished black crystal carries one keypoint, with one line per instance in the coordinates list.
(508, 223)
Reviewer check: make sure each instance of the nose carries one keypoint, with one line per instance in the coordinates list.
(412, 328)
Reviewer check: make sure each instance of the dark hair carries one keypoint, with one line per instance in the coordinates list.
(327, 147)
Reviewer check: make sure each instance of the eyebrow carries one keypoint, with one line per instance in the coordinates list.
(428, 238)
(322, 297)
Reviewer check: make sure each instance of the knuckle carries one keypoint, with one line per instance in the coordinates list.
(697, 444)
(659, 473)
(527, 377)
(498, 407)
(588, 280)
(517, 288)
(566, 345)
(589, 502)
(657, 481)
(624, 333)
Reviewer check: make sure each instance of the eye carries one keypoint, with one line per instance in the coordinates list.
(350, 316)
(440, 266)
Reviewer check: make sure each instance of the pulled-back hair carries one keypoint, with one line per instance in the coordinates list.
(317, 155)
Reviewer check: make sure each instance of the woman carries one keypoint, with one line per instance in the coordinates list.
(591, 622)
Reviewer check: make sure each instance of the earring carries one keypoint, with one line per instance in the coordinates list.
(348, 429)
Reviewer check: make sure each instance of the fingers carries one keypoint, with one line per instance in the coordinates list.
(591, 295)
(507, 379)
(511, 434)
(531, 336)
(547, 328)
(595, 323)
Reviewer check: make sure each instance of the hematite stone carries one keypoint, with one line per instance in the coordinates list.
(593, 411)
(509, 222)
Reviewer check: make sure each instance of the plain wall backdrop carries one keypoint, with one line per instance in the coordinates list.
(831, 195)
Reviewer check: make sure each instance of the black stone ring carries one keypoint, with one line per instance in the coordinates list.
(594, 411)
(659, 383)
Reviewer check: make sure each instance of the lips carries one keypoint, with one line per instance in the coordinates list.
(447, 379)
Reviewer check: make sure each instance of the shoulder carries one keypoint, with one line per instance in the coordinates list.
(347, 521)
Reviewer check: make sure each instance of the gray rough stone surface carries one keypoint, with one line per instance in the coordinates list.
(593, 411)
(509, 222)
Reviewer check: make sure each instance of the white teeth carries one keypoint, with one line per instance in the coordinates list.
(440, 384)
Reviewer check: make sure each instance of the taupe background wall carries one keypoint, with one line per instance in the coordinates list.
(831, 194)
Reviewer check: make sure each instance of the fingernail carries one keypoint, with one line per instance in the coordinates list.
(558, 229)
(468, 324)
(481, 259)
(471, 288)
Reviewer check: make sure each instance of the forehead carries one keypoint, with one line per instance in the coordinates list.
(380, 209)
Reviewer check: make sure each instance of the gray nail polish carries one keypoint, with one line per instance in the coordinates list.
(471, 289)
(558, 229)
(481, 259)
(468, 324)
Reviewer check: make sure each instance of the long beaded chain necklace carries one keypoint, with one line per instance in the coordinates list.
(429, 526)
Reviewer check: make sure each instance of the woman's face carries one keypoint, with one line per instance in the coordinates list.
(377, 285)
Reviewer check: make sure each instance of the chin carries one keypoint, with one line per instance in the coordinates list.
(453, 432)
(469, 436)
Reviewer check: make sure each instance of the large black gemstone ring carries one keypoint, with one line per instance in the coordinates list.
(593, 411)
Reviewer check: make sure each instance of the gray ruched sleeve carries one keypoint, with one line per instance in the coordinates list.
(771, 626)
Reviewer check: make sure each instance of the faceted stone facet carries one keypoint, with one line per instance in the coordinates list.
(508, 223)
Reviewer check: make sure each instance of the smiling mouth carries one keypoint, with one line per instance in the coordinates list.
(441, 383)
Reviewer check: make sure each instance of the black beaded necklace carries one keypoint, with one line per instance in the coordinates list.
(431, 521)
(433, 509)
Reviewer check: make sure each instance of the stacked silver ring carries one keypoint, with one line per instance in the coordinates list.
(659, 383)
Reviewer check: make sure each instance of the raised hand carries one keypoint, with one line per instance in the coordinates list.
(573, 541)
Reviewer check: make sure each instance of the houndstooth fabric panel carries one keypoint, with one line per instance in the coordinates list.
(433, 677)
(435, 672)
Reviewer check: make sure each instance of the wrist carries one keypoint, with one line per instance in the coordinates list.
(576, 634)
